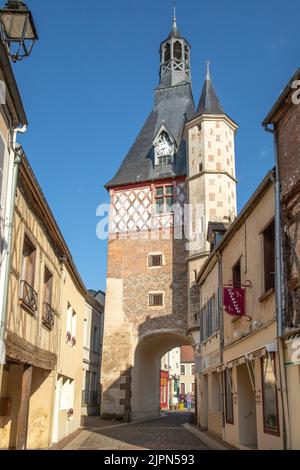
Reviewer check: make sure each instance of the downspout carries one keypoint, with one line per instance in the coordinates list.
(17, 152)
(280, 294)
(221, 325)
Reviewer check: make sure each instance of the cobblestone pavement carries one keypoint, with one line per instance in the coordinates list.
(166, 433)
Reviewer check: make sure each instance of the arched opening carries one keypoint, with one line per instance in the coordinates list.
(167, 55)
(186, 54)
(178, 50)
(146, 375)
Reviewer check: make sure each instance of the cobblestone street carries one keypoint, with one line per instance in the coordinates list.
(166, 433)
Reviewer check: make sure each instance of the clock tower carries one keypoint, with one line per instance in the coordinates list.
(147, 306)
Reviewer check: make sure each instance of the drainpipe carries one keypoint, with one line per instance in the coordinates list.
(17, 155)
(221, 325)
(280, 294)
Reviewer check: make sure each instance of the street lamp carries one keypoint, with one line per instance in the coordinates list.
(17, 28)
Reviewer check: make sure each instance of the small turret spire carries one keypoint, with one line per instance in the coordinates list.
(174, 18)
(208, 70)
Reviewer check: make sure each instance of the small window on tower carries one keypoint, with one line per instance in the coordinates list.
(167, 52)
(186, 53)
(156, 300)
(177, 50)
(164, 199)
(155, 261)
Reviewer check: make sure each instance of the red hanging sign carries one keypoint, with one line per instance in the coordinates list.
(234, 301)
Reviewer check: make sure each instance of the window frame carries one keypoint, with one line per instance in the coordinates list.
(182, 367)
(30, 280)
(164, 197)
(226, 382)
(152, 294)
(150, 260)
(267, 288)
(269, 356)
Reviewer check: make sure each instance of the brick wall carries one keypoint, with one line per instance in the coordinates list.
(289, 165)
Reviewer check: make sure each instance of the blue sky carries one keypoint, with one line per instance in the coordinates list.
(88, 87)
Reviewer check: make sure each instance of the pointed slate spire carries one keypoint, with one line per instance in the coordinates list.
(209, 102)
(174, 32)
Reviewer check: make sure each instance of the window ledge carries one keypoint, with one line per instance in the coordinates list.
(266, 295)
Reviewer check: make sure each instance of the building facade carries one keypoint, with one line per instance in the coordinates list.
(170, 379)
(183, 154)
(284, 121)
(93, 339)
(187, 371)
(242, 386)
(41, 386)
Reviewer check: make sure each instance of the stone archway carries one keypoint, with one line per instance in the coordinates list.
(145, 389)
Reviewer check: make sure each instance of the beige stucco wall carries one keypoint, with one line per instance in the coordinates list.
(70, 357)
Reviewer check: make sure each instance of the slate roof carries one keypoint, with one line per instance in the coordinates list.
(173, 106)
(209, 102)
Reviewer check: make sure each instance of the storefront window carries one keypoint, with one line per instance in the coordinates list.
(228, 397)
(270, 403)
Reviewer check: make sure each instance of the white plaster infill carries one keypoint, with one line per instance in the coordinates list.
(202, 436)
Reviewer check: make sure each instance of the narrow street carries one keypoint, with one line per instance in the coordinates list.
(165, 433)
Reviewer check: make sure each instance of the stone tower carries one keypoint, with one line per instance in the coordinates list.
(211, 183)
(146, 296)
(180, 152)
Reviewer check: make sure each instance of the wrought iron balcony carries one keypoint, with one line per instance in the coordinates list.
(28, 297)
(48, 316)
(89, 397)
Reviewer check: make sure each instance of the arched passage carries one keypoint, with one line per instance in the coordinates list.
(145, 399)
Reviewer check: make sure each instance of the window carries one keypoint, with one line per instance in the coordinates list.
(28, 296)
(236, 274)
(156, 300)
(66, 393)
(193, 389)
(193, 369)
(186, 53)
(200, 167)
(48, 286)
(164, 199)
(71, 321)
(269, 257)
(28, 265)
(270, 399)
(48, 311)
(182, 370)
(167, 52)
(96, 339)
(228, 397)
(182, 388)
(155, 261)
(177, 50)
(85, 333)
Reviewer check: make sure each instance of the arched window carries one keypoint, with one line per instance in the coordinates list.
(167, 52)
(177, 50)
(186, 53)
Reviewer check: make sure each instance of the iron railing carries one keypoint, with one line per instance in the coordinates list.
(90, 397)
(48, 316)
(28, 297)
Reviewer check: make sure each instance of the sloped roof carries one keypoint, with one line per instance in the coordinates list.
(173, 106)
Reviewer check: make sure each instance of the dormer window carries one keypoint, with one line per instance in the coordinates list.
(164, 149)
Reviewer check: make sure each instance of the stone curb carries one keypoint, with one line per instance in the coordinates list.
(209, 441)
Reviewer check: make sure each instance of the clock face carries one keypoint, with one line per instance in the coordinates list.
(164, 147)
